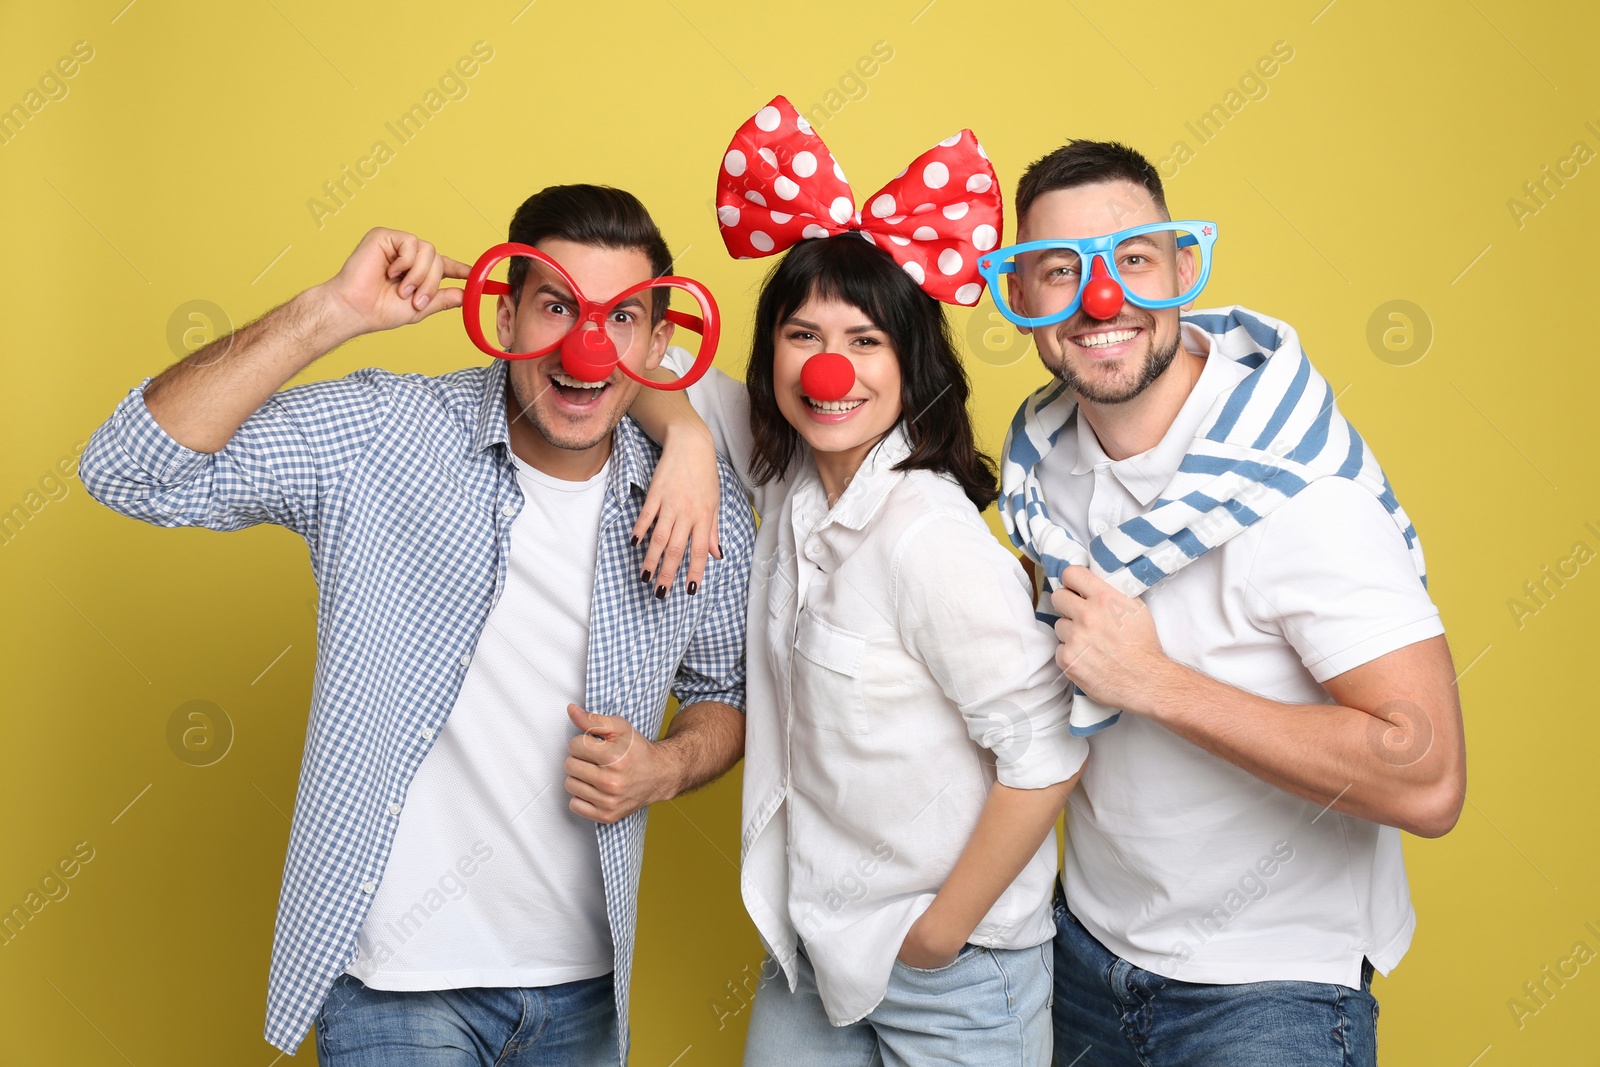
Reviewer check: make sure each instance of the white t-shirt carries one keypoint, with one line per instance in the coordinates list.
(492, 880)
(1178, 861)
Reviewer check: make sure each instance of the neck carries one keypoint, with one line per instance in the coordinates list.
(1137, 425)
(567, 464)
(837, 468)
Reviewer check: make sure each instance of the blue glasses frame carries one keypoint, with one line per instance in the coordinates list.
(1192, 233)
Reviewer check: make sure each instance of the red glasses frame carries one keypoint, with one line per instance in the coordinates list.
(587, 352)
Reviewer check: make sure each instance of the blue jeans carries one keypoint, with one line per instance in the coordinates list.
(990, 1007)
(1109, 1013)
(568, 1025)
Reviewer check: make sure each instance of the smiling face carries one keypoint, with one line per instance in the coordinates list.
(569, 413)
(1114, 360)
(853, 424)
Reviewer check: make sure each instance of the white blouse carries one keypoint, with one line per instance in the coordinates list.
(896, 670)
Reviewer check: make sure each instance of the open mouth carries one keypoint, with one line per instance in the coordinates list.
(833, 407)
(577, 393)
(1104, 338)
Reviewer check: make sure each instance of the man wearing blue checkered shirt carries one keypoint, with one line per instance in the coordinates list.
(497, 633)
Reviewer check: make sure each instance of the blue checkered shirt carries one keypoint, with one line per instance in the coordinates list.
(404, 490)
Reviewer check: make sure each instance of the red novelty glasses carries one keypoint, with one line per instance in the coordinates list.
(593, 338)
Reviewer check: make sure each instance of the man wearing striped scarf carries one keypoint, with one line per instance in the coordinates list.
(1265, 682)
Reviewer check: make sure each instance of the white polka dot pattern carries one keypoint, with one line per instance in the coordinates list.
(777, 158)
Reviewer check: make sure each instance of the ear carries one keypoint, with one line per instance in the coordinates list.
(1188, 269)
(505, 320)
(1015, 299)
(660, 338)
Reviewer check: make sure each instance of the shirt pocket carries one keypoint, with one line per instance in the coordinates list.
(827, 676)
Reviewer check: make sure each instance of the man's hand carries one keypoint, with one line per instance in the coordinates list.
(1109, 646)
(613, 770)
(391, 279)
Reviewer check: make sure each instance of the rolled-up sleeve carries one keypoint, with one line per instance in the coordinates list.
(964, 608)
(276, 468)
(713, 666)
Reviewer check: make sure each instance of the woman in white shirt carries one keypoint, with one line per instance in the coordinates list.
(907, 749)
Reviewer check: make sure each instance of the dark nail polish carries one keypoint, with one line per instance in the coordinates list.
(693, 587)
(661, 592)
(644, 576)
(634, 540)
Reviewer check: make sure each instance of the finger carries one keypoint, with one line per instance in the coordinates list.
(1067, 603)
(672, 558)
(647, 515)
(402, 250)
(699, 543)
(659, 542)
(421, 264)
(447, 299)
(1082, 580)
(454, 268)
(605, 727)
(588, 781)
(579, 806)
(430, 285)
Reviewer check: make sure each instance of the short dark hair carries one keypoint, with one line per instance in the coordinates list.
(1080, 162)
(596, 215)
(933, 385)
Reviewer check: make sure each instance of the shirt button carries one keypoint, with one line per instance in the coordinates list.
(466, 659)
(369, 886)
(427, 733)
(394, 807)
(509, 511)
(1101, 527)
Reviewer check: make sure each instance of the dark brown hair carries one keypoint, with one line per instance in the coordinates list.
(933, 384)
(597, 215)
(1082, 162)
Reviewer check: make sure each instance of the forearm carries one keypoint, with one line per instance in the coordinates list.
(1011, 827)
(1390, 766)
(666, 414)
(703, 743)
(203, 400)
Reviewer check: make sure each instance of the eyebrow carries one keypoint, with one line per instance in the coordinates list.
(551, 290)
(814, 328)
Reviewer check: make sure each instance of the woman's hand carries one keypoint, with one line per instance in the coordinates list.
(682, 506)
(927, 947)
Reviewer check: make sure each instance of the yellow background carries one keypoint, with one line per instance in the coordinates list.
(1377, 167)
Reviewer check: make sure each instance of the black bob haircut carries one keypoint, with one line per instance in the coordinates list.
(933, 385)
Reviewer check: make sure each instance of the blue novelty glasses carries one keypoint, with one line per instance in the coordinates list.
(1138, 265)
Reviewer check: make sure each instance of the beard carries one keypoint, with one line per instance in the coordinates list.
(557, 430)
(1116, 390)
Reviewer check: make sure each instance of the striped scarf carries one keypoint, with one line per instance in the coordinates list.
(1262, 442)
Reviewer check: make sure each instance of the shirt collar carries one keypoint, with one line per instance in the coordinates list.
(1145, 475)
(871, 483)
(491, 428)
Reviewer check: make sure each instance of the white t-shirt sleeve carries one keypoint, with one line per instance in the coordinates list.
(964, 608)
(724, 405)
(1332, 573)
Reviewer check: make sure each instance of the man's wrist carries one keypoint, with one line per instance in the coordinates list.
(673, 778)
(329, 320)
(1169, 693)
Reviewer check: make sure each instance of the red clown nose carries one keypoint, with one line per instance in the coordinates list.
(1102, 297)
(588, 354)
(827, 376)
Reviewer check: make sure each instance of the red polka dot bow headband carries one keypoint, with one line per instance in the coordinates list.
(779, 185)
